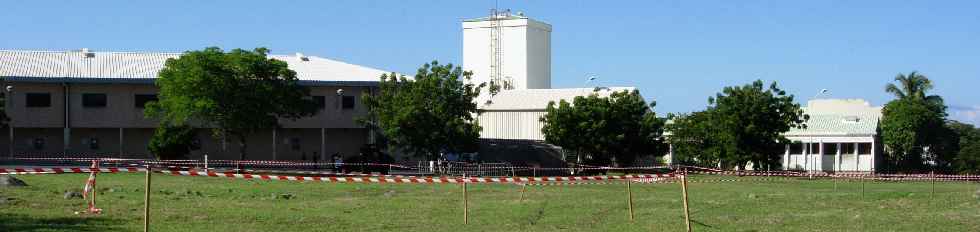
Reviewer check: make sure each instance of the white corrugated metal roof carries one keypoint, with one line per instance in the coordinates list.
(538, 99)
(107, 66)
(839, 117)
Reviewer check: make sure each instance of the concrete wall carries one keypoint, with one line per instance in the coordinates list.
(343, 134)
(526, 52)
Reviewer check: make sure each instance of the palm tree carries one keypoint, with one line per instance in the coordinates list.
(913, 86)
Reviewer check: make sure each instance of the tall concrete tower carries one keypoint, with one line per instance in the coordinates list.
(510, 49)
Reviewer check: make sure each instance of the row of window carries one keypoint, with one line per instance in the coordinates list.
(39, 143)
(97, 100)
(93, 143)
(830, 148)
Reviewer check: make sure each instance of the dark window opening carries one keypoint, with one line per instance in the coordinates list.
(38, 100)
(140, 100)
(94, 100)
(196, 144)
(847, 148)
(348, 102)
(321, 102)
(864, 148)
(814, 148)
(829, 148)
(294, 143)
(93, 143)
(796, 148)
(38, 144)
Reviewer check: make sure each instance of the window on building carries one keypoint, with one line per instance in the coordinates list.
(140, 100)
(196, 144)
(38, 100)
(864, 148)
(348, 102)
(847, 148)
(294, 143)
(830, 148)
(94, 100)
(321, 101)
(796, 148)
(814, 148)
(38, 144)
(93, 143)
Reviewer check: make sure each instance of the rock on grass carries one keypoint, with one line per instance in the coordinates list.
(10, 181)
(72, 194)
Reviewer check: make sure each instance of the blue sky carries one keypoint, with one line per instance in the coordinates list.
(677, 52)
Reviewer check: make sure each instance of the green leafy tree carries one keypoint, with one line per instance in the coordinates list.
(742, 124)
(967, 157)
(172, 142)
(235, 93)
(695, 141)
(913, 122)
(430, 114)
(620, 127)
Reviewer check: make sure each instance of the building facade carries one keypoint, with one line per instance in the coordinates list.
(84, 104)
(842, 135)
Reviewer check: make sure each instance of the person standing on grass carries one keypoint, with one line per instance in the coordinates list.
(337, 162)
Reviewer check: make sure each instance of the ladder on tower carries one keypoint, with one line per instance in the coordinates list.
(496, 47)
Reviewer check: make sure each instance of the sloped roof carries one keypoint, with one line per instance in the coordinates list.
(839, 117)
(129, 66)
(538, 99)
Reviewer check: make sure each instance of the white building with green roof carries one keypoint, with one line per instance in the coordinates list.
(842, 135)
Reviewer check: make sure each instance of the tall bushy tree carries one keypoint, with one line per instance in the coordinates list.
(235, 93)
(967, 156)
(742, 124)
(621, 127)
(172, 142)
(695, 140)
(913, 122)
(428, 115)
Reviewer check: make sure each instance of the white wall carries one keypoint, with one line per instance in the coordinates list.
(526, 46)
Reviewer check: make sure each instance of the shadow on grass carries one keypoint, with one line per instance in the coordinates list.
(16, 222)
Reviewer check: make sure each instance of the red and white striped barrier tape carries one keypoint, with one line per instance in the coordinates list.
(67, 170)
(414, 179)
(364, 179)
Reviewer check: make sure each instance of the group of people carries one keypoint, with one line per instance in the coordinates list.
(370, 159)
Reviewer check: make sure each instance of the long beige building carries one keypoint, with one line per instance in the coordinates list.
(84, 103)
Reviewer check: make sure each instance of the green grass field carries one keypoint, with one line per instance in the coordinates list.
(220, 204)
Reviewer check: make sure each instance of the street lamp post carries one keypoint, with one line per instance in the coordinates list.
(809, 146)
(340, 96)
(8, 97)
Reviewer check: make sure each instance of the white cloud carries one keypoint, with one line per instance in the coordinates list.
(966, 114)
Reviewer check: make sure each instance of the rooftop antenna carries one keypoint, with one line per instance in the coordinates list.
(496, 45)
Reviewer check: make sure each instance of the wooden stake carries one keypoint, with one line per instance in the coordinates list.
(835, 183)
(465, 205)
(862, 186)
(523, 190)
(687, 211)
(629, 197)
(933, 178)
(146, 200)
